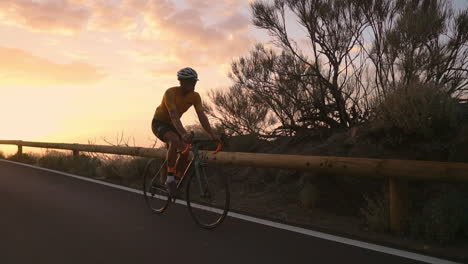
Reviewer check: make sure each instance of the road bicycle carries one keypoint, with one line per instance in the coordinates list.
(206, 189)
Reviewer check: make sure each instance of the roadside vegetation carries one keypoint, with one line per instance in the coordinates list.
(376, 79)
(367, 79)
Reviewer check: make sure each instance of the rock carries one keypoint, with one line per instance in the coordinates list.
(269, 174)
(308, 196)
(244, 174)
(307, 177)
(100, 173)
(285, 176)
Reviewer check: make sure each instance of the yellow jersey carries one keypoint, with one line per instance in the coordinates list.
(174, 99)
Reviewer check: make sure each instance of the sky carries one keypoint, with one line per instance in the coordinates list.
(77, 71)
(82, 71)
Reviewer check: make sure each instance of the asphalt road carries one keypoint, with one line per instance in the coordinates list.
(51, 218)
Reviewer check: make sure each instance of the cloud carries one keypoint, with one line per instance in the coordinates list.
(165, 71)
(54, 15)
(185, 34)
(234, 23)
(202, 34)
(18, 67)
(115, 15)
(135, 5)
(148, 56)
(72, 16)
(202, 4)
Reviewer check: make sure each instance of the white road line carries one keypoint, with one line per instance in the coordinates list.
(342, 240)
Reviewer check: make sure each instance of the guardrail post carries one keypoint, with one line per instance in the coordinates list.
(20, 151)
(398, 207)
(76, 154)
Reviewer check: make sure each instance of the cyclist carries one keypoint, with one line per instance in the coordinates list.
(166, 124)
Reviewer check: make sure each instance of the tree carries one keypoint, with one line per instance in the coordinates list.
(359, 51)
(333, 29)
(238, 113)
(424, 41)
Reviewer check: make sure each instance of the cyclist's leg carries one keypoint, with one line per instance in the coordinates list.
(181, 164)
(167, 134)
(175, 143)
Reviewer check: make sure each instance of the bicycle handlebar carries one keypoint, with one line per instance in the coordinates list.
(196, 141)
(189, 147)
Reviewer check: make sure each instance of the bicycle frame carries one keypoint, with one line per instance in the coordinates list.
(196, 162)
(204, 192)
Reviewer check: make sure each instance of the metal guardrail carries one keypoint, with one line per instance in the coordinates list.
(398, 172)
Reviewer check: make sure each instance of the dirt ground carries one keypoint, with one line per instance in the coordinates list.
(335, 212)
(275, 194)
(271, 205)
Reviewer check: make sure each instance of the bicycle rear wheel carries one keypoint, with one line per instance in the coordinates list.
(154, 190)
(208, 196)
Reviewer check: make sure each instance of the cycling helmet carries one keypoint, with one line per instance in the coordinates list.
(187, 74)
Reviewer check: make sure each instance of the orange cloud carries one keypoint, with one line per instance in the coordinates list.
(185, 34)
(166, 71)
(18, 67)
(209, 32)
(235, 23)
(55, 16)
(109, 16)
(202, 4)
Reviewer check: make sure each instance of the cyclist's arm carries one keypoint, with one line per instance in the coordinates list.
(176, 122)
(203, 118)
(169, 98)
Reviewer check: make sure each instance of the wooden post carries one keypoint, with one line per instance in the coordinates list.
(398, 207)
(20, 151)
(76, 154)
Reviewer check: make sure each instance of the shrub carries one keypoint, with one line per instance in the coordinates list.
(107, 171)
(82, 165)
(376, 213)
(308, 196)
(53, 160)
(442, 217)
(415, 110)
(24, 158)
(245, 143)
(2, 156)
(132, 169)
(122, 168)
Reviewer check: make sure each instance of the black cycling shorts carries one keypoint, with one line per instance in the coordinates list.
(160, 128)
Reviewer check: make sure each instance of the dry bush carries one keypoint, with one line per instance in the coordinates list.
(416, 111)
(122, 168)
(28, 158)
(81, 165)
(376, 212)
(442, 216)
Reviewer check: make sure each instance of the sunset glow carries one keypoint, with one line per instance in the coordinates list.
(77, 71)
(72, 71)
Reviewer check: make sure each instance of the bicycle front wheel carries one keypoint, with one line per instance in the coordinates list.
(207, 194)
(154, 191)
